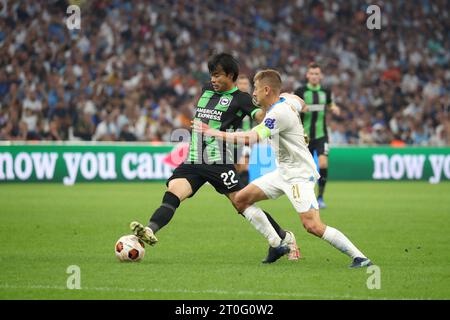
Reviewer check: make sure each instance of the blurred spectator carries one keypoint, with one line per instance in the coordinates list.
(134, 68)
(380, 134)
(441, 135)
(107, 129)
(126, 133)
(418, 135)
(84, 127)
(337, 134)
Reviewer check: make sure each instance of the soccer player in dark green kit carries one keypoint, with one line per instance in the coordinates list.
(222, 106)
(243, 152)
(318, 100)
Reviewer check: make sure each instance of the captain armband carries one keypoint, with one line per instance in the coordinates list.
(262, 131)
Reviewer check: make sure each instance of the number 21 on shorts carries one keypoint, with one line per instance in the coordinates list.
(296, 192)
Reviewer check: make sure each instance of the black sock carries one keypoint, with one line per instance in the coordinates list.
(165, 212)
(322, 181)
(276, 226)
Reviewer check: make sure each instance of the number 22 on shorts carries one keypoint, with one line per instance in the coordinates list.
(230, 175)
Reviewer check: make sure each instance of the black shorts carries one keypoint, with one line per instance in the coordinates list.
(320, 146)
(223, 177)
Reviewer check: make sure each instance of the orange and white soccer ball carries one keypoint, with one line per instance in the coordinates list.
(130, 248)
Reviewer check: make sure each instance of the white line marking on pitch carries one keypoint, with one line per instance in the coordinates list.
(212, 291)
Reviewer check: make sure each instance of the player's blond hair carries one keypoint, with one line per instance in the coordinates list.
(269, 77)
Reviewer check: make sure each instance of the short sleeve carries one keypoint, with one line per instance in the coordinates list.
(330, 97)
(299, 92)
(295, 103)
(248, 107)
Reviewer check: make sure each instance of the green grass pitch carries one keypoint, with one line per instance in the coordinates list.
(210, 252)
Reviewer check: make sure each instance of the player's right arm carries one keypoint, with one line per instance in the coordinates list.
(299, 93)
(273, 124)
(239, 137)
(259, 115)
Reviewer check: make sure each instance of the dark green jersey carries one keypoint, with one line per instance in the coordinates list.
(317, 100)
(223, 111)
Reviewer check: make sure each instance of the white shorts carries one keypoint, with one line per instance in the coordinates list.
(299, 191)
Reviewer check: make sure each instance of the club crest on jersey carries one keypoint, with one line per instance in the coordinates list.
(269, 123)
(225, 101)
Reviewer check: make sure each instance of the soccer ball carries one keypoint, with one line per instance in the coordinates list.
(129, 248)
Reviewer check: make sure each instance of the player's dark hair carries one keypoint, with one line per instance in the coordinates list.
(227, 62)
(313, 65)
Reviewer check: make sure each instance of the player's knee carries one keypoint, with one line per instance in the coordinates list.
(240, 202)
(240, 206)
(323, 164)
(179, 194)
(180, 189)
(312, 227)
(308, 226)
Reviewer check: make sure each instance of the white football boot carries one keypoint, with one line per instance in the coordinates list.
(289, 240)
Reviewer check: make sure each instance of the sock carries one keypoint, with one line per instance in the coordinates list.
(338, 240)
(275, 225)
(322, 181)
(165, 212)
(259, 220)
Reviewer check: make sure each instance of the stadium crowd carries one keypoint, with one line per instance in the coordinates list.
(133, 70)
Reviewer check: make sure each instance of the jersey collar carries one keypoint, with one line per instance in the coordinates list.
(228, 92)
(313, 88)
(278, 102)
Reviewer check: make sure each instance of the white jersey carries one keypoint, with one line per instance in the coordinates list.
(285, 129)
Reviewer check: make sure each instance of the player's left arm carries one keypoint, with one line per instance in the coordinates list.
(333, 107)
(294, 100)
(250, 108)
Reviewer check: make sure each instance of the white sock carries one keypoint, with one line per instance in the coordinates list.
(288, 239)
(338, 240)
(259, 220)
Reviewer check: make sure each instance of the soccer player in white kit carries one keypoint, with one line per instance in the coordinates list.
(296, 172)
